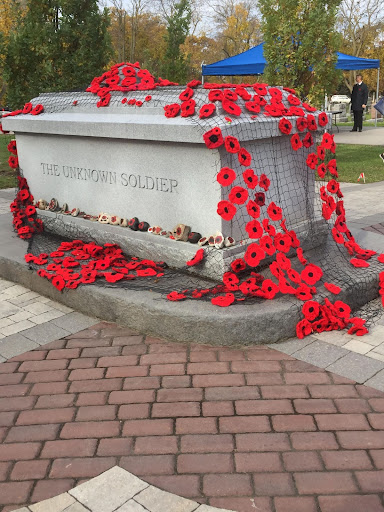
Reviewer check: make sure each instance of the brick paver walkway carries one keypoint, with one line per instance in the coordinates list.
(245, 429)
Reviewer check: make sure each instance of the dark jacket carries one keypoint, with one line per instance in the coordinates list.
(359, 96)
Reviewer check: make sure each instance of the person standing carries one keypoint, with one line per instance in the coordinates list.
(359, 99)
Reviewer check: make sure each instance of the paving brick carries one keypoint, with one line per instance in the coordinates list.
(14, 492)
(352, 503)
(262, 442)
(17, 403)
(255, 366)
(377, 404)
(84, 386)
(262, 353)
(8, 367)
(87, 429)
(307, 378)
(346, 459)
(168, 358)
(314, 405)
(133, 411)
(4, 470)
(43, 366)
(32, 355)
(148, 427)
(69, 448)
(29, 470)
(115, 447)
(196, 426)
(51, 388)
(7, 419)
(202, 357)
(3, 432)
(293, 391)
(352, 405)
(231, 354)
(333, 391)
(243, 504)
(19, 451)
(88, 343)
(80, 467)
(342, 422)
(113, 331)
(50, 376)
(128, 371)
(176, 381)
(370, 481)
(313, 441)
(45, 416)
(361, 440)
(96, 413)
(69, 353)
(54, 401)
(258, 379)
(302, 461)
(142, 465)
(167, 369)
(292, 423)
(82, 362)
(121, 341)
(53, 345)
(258, 462)
(155, 445)
(276, 484)
(244, 424)
(175, 410)
(227, 485)
(376, 420)
(368, 392)
(199, 443)
(218, 380)
(207, 368)
(10, 378)
(14, 390)
(133, 397)
(32, 433)
(205, 463)
(378, 458)
(217, 408)
(86, 374)
(142, 383)
(300, 366)
(46, 489)
(180, 395)
(94, 398)
(105, 362)
(295, 504)
(232, 393)
(187, 486)
(101, 352)
(341, 482)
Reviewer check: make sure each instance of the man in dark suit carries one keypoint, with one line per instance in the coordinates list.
(359, 99)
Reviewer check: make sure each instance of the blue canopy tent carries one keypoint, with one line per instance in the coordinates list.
(252, 62)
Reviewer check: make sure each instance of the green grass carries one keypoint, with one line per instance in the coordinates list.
(352, 159)
(7, 175)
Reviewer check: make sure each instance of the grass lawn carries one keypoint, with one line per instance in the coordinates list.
(352, 159)
(7, 175)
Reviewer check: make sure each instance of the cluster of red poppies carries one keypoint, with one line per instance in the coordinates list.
(74, 263)
(125, 77)
(27, 109)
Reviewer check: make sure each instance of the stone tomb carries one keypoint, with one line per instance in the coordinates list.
(135, 162)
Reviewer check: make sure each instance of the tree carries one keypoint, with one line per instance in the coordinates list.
(59, 45)
(300, 45)
(197, 49)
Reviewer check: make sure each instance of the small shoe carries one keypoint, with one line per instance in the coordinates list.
(181, 232)
(194, 237)
(229, 241)
(115, 221)
(64, 208)
(124, 223)
(42, 204)
(133, 223)
(75, 212)
(219, 241)
(53, 205)
(143, 226)
(202, 241)
(104, 218)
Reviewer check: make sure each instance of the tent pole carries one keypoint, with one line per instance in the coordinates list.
(377, 93)
(202, 76)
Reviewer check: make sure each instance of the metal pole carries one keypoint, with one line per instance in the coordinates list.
(202, 76)
(377, 93)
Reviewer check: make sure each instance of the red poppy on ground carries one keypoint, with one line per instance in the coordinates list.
(332, 288)
(283, 262)
(250, 178)
(301, 124)
(223, 300)
(296, 142)
(269, 289)
(312, 125)
(13, 162)
(27, 108)
(332, 167)
(253, 209)
(340, 225)
(268, 228)
(321, 170)
(231, 281)
(260, 88)
(230, 107)
(252, 106)
(230, 95)
(300, 256)
(238, 265)
(264, 182)
(333, 187)
(285, 126)
(30, 210)
(171, 110)
(266, 243)
(304, 293)
(308, 107)
(243, 93)
(213, 138)
(113, 277)
(293, 100)
(254, 229)
(207, 110)
(275, 93)
(38, 109)
(312, 161)
(308, 140)
(58, 282)
(274, 211)
(273, 111)
(311, 310)
(340, 208)
(238, 195)
(226, 210)
(140, 104)
(193, 83)
(276, 270)
(244, 157)
(215, 95)
(327, 140)
(228, 119)
(293, 275)
(253, 255)
(295, 111)
(359, 263)
(12, 147)
(341, 309)
(311, 274)
(148, 98)
(249, 286)
(226, 176)
(198, 257)
(320, 152)
(187, 108)
(175, 296)
(303, 328)
(282, 242)
(380, 258)
(260, 198)
(338, 237)
(232, 145)
(186, 94)
(322, 119)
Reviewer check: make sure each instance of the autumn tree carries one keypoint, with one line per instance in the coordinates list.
(59, 45)
(300, 45)
(199, 48)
